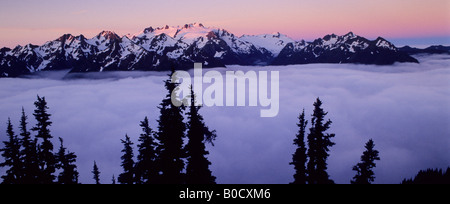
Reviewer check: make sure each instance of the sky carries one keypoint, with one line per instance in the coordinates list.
(403, 108)
(413, 22)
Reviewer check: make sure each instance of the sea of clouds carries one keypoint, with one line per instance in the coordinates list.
(404, 108)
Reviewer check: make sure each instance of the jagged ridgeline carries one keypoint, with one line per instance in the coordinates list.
(160, 49)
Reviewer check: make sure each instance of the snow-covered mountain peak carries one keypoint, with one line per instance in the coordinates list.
(30, 46)
(161, 48)
(193, 25)
(348, 41)
(381, 42)
(191, 32)
(103, 40)
(276, 35)
(329, 37)
(187, 33)
(65, 37)
(274, 42)
(107, 35)
(149, 30)
(168, 30)
(350, 35)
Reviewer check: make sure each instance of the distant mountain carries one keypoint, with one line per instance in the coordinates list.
(159, 49)
(274, 43)
(348, 48)
(435, 49)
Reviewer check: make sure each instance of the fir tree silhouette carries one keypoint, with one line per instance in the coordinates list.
(299, 158)
(96, 173)
(127, 177)
(197, 170)
(319, 143)
(146, 171)
(46, 156)
(11, 154)
(365, 174)
(171, 132)
(28, 154)
(66, 162)
(113, 180)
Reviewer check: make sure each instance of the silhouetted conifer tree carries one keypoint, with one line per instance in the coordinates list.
(66, 162)
(171, 132)
(430, 176)
(145, 169)
(197, 170)
(447, 176)
(96, 173)
(46, 156)
(127, 177)
(113, 180)
(28, 153)
(319, 143)
(364, 172)
(299, 158)
(11, 154)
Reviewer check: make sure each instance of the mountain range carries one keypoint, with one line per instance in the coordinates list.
(435, 49)
(160, 49)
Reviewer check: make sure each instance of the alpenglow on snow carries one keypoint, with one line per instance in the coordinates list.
(159, 49)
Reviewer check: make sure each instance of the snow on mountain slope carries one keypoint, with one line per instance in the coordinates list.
(187, 33)
(191, 32)
(195, 41)
(349, 48)
(180, 46)
(103, 40)
(129, 49)
(273, 43)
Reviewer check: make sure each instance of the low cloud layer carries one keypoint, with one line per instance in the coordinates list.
(404, 108)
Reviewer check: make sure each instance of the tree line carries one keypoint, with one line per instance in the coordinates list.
(33, 160)
(163, 158)
(310, 158)
(430, 176)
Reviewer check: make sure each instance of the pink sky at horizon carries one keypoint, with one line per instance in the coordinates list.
(29, 21)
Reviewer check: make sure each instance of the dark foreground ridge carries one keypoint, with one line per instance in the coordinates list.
(160, 49)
